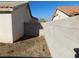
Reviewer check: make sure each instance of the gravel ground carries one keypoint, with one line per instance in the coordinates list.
(34, 47)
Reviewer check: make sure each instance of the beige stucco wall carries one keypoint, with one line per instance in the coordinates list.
(18, 17)
(24, 11)
(27, 14)
(6, 28)
(12, 24)
(60, 15)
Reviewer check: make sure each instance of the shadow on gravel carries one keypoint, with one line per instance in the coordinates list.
(24, 38)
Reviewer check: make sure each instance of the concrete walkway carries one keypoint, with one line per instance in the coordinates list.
(62, 37)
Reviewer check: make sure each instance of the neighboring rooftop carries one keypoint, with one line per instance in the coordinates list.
(69, 10)
(8, 6)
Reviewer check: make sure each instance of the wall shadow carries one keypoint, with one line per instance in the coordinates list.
(77, 52)
(32, 29)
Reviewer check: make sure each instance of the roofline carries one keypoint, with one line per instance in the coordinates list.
(29, 10)
(7, 12)
(54, 14)
(11, 9)
(64, 12)
(20, 5)
(61, 11)
(32, 17)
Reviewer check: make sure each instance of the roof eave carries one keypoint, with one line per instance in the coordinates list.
(6, 10)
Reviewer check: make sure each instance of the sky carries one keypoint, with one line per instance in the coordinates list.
(46, 9)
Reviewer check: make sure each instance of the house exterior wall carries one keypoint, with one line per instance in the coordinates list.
(6, 28)
(59, 15)
(12, 24)
(27, 16)
(19, 16)
(25, 13)
(18, 23)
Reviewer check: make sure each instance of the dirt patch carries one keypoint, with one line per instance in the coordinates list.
(34, 47)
